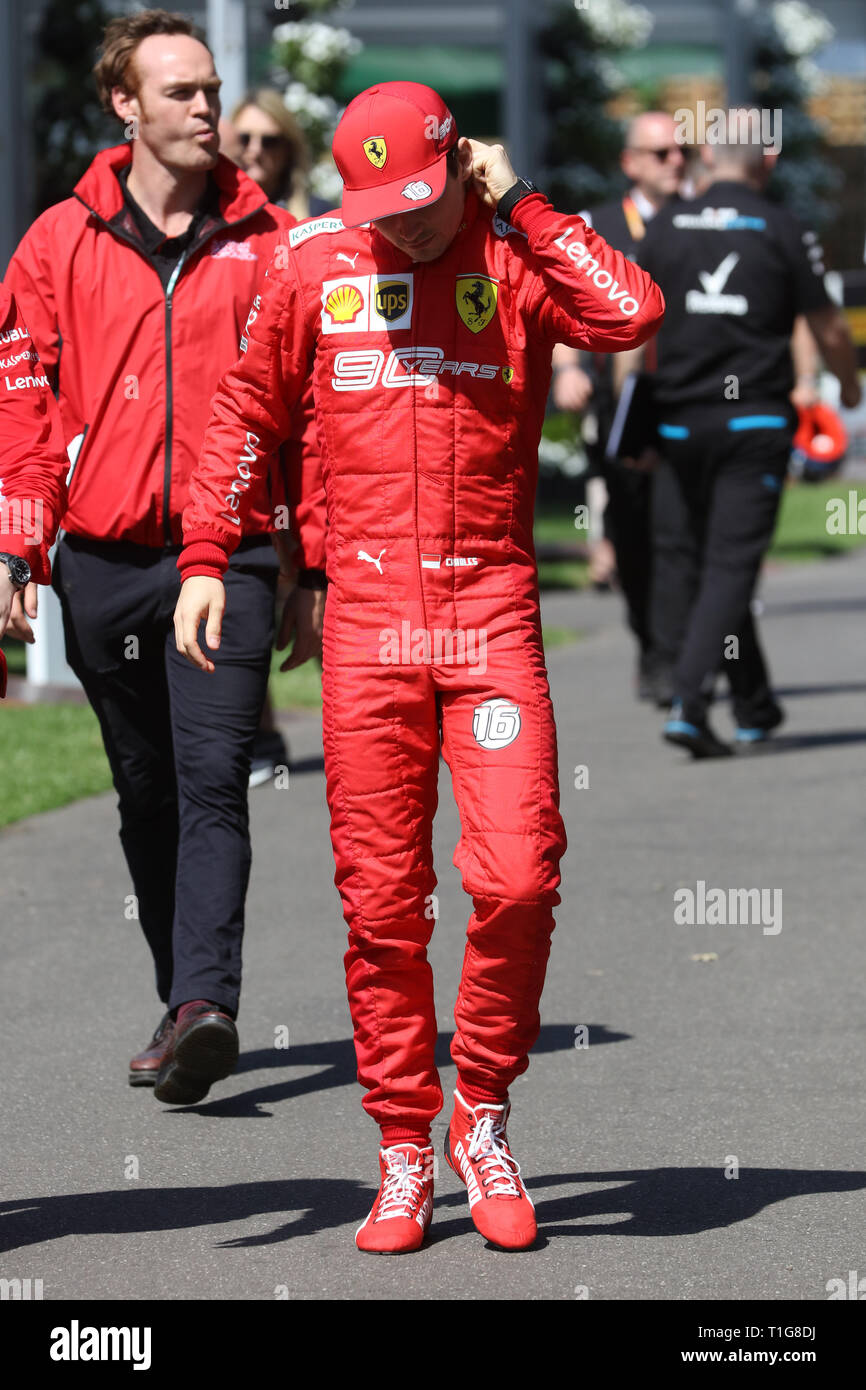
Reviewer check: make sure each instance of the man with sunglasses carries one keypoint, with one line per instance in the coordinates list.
(654, 163)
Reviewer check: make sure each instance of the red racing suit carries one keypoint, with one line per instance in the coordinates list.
(33, 459)
(430, 382)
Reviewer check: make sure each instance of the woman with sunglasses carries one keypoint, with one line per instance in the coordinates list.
(267, 142)
(272, 150)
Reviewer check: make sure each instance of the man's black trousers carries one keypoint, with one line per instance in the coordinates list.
(178, 741)
(627, 527)
(715, 500)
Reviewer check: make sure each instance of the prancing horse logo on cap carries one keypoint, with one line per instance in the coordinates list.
(376, 150)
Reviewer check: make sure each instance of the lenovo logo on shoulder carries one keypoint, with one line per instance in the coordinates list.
(602, 279)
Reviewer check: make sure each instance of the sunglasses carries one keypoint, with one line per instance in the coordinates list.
(268, 142)
(661, 155)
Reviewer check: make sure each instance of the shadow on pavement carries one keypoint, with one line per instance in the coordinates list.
(319, 1203)
(654, 1202)
(813, 605)
(338, 1068)
(787, 692)
(661, 1201)
(794, 743)
(773, 746)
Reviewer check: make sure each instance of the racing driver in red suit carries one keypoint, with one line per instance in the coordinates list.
(426, 311)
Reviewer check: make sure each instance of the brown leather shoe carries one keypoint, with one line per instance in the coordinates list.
(204, 1050)
(144, 1066)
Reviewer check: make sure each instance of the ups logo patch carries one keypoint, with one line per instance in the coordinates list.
(391, 299)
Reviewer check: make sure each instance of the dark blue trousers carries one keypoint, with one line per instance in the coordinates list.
(178, 741)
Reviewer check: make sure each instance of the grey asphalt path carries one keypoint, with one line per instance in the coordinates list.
(750, 1061)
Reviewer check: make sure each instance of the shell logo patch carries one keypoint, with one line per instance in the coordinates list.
(476, 300)
(344, 303)
(367, 303)
(376, 151)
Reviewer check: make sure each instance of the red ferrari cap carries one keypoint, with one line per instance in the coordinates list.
(390, 149)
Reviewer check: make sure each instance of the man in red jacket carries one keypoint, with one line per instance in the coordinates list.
(428, 310)
(136, 290)
(33, 468)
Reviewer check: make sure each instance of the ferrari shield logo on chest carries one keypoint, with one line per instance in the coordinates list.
(376, 151)
(476, 300)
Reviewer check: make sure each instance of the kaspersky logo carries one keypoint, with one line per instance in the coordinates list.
(344, 304)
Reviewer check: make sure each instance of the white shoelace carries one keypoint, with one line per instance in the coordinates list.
(402, 1187)
(502, 1168)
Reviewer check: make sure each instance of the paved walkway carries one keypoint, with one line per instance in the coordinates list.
(712, 1050)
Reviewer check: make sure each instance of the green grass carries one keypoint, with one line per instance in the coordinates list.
(51, 755)
(563, 574)
(555, 526)
(801, 532)
(559, 637)
(298, 689)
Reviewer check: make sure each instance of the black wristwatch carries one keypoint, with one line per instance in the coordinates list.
(19, 570)
(507, 203)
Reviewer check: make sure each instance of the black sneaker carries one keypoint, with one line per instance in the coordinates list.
(757, 731)
(698, 738)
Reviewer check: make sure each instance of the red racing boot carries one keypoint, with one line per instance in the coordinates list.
(477, 1149)
(404, 1204)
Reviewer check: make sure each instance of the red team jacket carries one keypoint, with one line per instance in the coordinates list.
(33, 461)
(136, 365)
